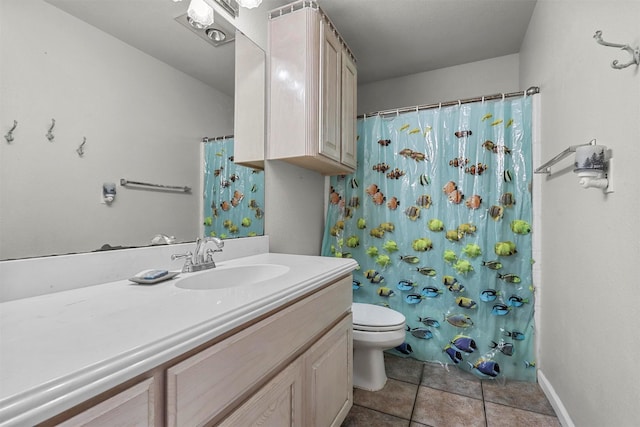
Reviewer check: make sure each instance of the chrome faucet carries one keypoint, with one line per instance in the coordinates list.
(200, 259)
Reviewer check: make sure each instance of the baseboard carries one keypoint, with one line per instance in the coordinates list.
(554, 399)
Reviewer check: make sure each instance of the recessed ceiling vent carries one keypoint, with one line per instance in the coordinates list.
(219, 33)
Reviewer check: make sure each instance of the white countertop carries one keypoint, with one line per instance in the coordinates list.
(60, 349)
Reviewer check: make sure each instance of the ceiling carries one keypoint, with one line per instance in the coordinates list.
(402, 37)
(389, 38)
(150, 26)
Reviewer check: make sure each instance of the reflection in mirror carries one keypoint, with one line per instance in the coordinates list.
(101, 70)
(233, 194)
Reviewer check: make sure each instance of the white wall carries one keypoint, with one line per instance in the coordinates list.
(588, 333)
(497, 75)
(143, 121)
(294, 206)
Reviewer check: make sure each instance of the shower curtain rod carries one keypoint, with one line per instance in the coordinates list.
(216, 138)
(531, 91)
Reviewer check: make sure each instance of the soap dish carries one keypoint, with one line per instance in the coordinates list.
(150, 277)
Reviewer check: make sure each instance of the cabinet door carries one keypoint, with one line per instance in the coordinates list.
(278, 403)
(349, 111)
(132, 407)
(330, 88)
(249, 113)
(329, 377)
(202, 387)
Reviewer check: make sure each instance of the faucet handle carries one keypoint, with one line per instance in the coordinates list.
(187, 258)
(188, 263)
(187, 255)
(210, 253)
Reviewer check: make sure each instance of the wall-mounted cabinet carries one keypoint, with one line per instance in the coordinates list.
(312, 91)
(249, 105)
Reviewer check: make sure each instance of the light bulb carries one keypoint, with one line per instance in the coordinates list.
(249, 4)
(200, 12)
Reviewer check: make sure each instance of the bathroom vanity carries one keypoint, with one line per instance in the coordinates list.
(277, 351)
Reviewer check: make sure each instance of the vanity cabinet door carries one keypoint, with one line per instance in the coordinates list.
(202, 387)
(278, 403)
(132, 407)
(330, 89)
(308, 105)
(329, 377)
(315, 390)
(348, 120)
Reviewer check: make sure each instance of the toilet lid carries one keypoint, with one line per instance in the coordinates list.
(369, 317)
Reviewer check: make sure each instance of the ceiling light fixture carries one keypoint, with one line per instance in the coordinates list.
(200, 13)
(249, 4)
(219, 33)
(216, 35)
(194, 24)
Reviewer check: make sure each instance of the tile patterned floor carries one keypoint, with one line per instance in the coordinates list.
(427, 395)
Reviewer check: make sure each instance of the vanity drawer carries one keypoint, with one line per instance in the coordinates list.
(201, 387)
(131, 407)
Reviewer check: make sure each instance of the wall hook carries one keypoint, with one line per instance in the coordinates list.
(635, 53)
(9, 135)
(80, 149)
(50, 135)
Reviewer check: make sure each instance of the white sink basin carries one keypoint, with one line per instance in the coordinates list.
(228, 277)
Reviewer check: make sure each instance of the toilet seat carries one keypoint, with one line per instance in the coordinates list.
(375, 318)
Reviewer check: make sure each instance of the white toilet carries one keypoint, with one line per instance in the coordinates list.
(375, 329)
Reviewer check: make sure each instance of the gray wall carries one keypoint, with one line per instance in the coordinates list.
(143, 121)
(588, 333)
(294, 202)
(497, 75)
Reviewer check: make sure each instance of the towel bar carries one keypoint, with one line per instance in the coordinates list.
(185, 189)
(546, 168)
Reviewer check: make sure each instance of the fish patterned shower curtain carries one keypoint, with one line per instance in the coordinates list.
(438, 215)
(233, 194)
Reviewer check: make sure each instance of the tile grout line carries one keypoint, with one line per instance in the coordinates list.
(381, 412)
(415, 398)
(452, 392)
(520, 408)
(484, 404)
(514, 405)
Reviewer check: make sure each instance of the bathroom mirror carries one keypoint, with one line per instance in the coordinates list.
(126, 92)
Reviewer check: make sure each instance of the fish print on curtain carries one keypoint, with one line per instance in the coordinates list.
(233, 194)
(438, 215)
